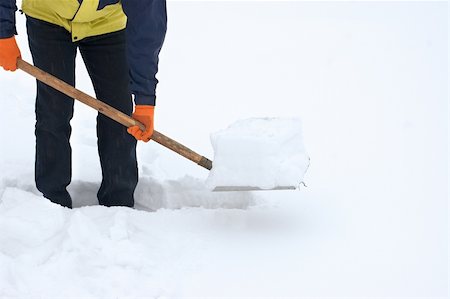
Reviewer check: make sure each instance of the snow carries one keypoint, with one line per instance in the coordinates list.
(369, 81)
(260, 153)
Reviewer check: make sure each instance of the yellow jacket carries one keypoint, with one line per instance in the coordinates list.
(145, 22)
(90, 18)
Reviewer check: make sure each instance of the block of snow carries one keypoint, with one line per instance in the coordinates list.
(259, 152)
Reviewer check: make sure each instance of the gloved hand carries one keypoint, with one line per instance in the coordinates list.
(144, 114)
(9, 52)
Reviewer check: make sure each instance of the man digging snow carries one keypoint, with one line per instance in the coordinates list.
(119, 42)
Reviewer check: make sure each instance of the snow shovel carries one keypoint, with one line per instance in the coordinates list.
(128, 121)
(111, 112)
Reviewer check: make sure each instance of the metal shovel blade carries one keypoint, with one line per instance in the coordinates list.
(250, 188)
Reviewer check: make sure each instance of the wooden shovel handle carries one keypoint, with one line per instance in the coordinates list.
(111, 112)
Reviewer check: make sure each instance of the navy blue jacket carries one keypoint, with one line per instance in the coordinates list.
(146, 30)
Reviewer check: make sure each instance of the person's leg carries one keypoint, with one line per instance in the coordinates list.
(105, 60)
(53, 52)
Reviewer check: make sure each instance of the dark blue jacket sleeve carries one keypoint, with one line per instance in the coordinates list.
(146, 30)
(7, 18)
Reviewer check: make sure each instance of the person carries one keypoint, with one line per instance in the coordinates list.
(119, 42)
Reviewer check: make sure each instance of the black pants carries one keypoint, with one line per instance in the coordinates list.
(105, 59)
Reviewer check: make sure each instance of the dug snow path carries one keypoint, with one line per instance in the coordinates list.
(49, 251)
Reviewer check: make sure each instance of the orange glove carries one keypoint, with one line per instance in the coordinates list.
(9, 52)
(144, 114)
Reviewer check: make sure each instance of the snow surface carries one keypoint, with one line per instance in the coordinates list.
(369, 81)
(260, 153)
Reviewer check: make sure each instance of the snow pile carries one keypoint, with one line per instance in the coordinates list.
(47, 251)
(259, 152)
